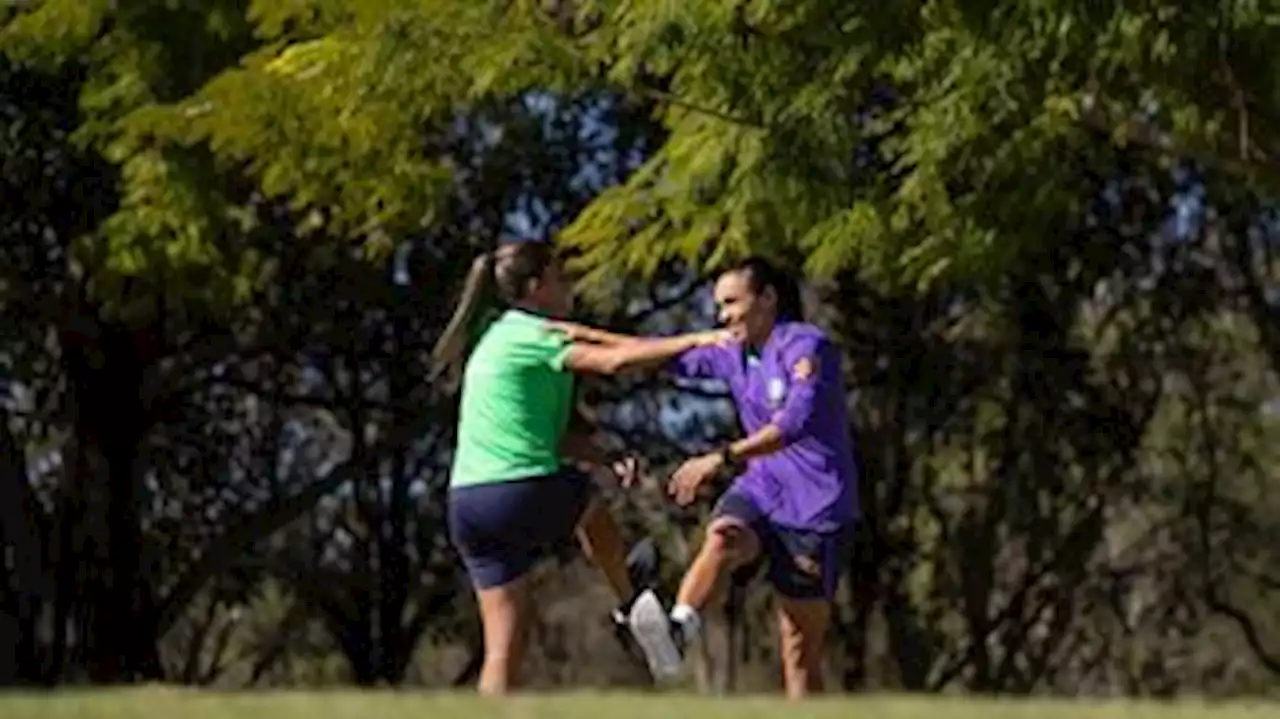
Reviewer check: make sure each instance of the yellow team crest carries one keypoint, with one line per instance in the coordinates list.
(803, 369)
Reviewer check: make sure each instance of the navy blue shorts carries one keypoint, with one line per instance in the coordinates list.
(801, 564)
(503, 529)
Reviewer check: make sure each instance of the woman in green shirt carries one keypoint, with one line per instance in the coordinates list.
(514, 497)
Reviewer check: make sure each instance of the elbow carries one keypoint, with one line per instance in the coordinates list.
(597, 360)
(796, 419)
(789, 429)
(611, 362)
(615, 366)
(787, 435)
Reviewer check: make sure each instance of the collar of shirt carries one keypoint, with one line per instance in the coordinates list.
(752, 358)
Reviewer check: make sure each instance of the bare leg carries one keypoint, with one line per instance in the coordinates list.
(504, 614)
(729, 544)
(802, 628)
(602, 542)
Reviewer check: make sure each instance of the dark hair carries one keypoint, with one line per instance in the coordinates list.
(762, 274)
(495, 281)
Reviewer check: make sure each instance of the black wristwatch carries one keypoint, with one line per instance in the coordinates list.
(731, 466)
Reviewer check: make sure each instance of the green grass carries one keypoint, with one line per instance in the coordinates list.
(182, 704)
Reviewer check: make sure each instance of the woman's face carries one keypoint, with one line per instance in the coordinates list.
(553, 291)
(748, 314)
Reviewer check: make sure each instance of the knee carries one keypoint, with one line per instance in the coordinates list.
(597, 529)
(794, 650)
(729, 543)
(593, 513)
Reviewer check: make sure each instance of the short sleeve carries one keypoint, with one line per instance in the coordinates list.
(552, 348)
(700, 363)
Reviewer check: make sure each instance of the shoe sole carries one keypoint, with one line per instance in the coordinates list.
(652, 630)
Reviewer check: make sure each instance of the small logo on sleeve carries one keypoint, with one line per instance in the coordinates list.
(803, 369)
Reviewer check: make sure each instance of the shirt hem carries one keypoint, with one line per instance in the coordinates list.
(524, 473)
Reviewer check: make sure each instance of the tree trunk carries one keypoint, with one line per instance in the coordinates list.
(20, 602)
(392, 532)
(110, 424)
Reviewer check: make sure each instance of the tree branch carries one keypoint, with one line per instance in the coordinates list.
(279, 513)
(1032, 580)
(1203, 515)
(1147, 134)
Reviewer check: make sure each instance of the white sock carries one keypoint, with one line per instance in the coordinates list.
(687, 617)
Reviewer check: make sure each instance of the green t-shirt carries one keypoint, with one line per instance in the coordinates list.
(516, 399)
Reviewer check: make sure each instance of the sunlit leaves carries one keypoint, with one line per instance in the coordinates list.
(48, 31)
(906, 140)
(985, 99)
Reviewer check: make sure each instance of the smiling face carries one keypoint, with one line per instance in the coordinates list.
(749, 313)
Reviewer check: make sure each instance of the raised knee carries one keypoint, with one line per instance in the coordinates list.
(728, 541)
(594, 512)
(714, 545)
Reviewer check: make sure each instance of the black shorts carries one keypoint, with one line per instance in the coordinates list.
(503, 529)
(801, 564)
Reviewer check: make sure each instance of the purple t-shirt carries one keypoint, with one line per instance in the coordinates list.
(794, 382)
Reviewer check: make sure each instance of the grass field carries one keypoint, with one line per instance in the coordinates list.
(180, 704)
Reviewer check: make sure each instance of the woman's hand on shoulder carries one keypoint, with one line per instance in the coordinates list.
(714, 338)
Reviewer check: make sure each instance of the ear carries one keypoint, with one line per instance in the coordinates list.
(770, 296)
(532, 285)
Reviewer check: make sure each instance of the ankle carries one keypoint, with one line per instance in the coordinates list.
(494, 680)
(624, 606)
(687, 618)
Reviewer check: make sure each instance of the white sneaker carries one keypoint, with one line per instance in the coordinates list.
(651, 627)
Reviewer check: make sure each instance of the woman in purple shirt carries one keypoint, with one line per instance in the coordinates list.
(793, 504)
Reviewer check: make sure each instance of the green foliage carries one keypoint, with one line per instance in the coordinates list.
(909, 141)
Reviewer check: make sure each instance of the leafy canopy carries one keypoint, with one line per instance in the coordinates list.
(910, 140)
